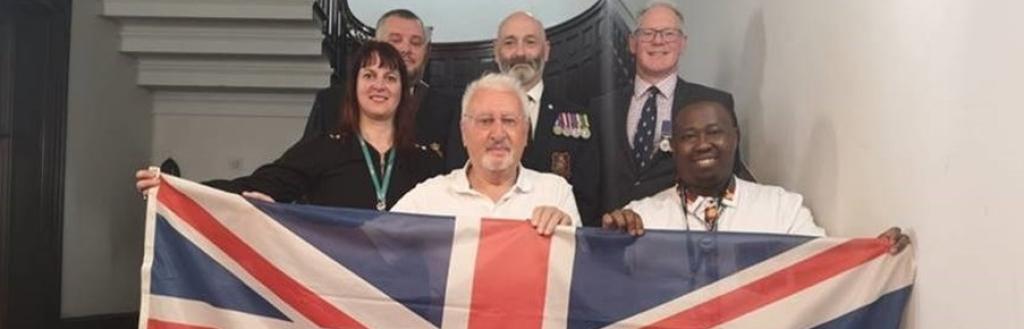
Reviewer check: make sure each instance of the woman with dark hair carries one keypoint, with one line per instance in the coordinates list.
(369, 162)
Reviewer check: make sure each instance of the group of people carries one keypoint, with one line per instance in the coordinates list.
(660, 154)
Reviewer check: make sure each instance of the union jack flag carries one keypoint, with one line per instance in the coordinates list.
(217, 260)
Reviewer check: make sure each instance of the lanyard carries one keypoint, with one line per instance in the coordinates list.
(381, 190)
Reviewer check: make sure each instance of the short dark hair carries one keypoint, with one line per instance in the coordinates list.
(693, 102)
(401, 13)
(382, 54)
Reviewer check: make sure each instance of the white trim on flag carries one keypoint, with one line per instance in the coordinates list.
(728, 284)
(560, 267)
(231, 266)
(195, 313)
(303, 262)
(147, 251)
(834, 297)
(461, 268)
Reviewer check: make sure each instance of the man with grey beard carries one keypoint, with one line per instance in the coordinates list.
(561, 140)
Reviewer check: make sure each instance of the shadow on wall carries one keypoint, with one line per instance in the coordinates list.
(770, 139)
(818, 173)
(749, 107)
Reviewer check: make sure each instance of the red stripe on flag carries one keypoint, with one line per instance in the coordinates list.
(157, 324)
(510, 282)
(291, 292)
(778, 285)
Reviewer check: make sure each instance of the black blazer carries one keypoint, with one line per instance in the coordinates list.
(621, 180)
(434, 111)
(574, 158)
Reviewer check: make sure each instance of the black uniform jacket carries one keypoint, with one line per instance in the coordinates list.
(331, 171)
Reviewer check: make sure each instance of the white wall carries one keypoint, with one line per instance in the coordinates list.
(460, 20)
(888, 113)
(109, 132)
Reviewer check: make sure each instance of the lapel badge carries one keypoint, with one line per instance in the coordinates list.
(437, 149)
(665, 144)
(561, 164)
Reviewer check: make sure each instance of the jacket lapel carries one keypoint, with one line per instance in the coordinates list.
(621, 110)
(537, 149)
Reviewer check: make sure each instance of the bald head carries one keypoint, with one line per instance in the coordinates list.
(521, 48)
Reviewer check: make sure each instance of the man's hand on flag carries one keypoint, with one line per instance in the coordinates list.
(624, 220)
(896, 237)
(545, 218)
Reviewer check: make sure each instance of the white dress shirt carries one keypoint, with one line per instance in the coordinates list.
(666, 94)
(451, 195)
(533, 106)
(753, 208)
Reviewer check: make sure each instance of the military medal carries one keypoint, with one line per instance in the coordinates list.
(585, 127)
(557, 130)
(575, 122)
(665, 144)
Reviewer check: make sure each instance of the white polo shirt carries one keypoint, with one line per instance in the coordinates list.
(753, 208)
(451, 195)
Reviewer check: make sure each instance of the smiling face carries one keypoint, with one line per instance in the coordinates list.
(494, 129)
(658, 57)
(704, 142)
(521, 48)
(378, 90)
(408, 37)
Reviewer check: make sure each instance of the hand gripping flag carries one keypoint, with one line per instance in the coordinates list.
(217, 260)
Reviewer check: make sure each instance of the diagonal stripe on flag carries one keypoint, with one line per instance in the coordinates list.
(291, 292)
(776, 286)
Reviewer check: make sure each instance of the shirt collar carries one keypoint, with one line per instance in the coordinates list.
(536, 91)
(524, 181)
(667, 86)
(731, 198)
(418, 87)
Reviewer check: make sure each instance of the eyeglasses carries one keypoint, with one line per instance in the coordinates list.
(667, 35)
(487, 120)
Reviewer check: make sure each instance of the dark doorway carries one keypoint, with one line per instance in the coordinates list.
(34, 41)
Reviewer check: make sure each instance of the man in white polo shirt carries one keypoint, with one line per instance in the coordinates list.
(493, 183)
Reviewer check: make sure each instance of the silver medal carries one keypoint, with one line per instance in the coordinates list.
(381, 205)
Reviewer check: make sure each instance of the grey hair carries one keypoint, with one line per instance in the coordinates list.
(404, 14)
(496, 82)
(665, 4)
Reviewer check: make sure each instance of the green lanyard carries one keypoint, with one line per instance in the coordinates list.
(382, 191)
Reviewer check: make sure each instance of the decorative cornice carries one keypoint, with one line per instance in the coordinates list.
(267, 103)
(220, 37)
(234, 72)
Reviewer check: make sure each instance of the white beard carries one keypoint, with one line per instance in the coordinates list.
(492, 163)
